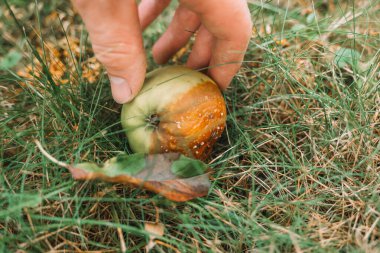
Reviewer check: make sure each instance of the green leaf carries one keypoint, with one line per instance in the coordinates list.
(10, 60)
(88, 166)
(186, 167)
(298, 27)
(346, 57)
(124, 163)
(310, 18)
(119, 165)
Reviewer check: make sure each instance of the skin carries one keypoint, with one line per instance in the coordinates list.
(115, 27)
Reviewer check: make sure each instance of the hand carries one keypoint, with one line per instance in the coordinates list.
(115, 28)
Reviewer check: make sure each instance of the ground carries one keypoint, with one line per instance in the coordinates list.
(297, 169)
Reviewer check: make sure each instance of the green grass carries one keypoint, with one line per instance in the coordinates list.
(297, 169)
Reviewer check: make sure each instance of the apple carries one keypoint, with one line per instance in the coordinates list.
(177, 110)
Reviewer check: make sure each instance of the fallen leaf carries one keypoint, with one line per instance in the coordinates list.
(10, 60)
(172, 175)
(154, 230)
(346, 57)
(62, 59)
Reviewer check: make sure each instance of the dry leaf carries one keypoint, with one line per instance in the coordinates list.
(61, 59)
(172, 175)
(154, 230)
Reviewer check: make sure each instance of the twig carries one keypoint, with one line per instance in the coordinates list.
(50, 157)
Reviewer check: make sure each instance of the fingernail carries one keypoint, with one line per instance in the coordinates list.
(121, 91)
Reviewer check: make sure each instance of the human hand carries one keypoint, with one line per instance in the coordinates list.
(115, 28)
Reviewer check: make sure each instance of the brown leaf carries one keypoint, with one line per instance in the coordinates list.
(154, 230)
(171, 175)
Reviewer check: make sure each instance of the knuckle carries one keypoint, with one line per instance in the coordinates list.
(162, 3)
(115, 55)
(186, 17)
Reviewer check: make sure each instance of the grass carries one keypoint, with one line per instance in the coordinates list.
(297, 169)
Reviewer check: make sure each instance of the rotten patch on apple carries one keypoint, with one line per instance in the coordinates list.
(193, 125)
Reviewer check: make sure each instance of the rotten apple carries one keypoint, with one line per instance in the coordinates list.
(177, 110)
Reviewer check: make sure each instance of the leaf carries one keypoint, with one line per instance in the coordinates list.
(187, 167)
(130, 163)
(346, 57)
(310, 18)
(172, 175)
(154, 230)
(10, 60)
(298, 27)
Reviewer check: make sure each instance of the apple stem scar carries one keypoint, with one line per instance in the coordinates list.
(153, 120)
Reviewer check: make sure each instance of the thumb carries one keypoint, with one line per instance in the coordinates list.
(115, 33)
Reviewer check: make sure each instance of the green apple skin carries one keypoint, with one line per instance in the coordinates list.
(177, 110)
